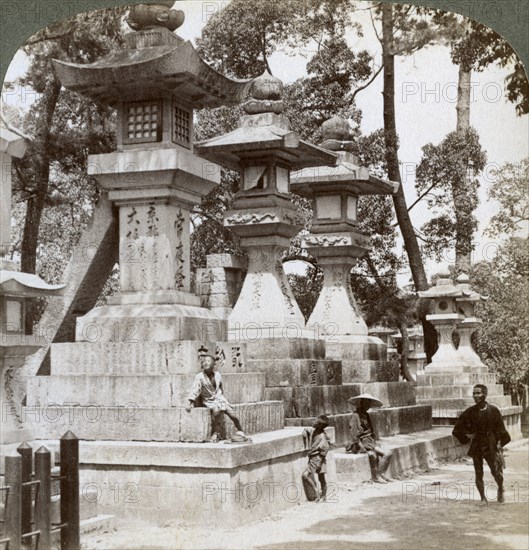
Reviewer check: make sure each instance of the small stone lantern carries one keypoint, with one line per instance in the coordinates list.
(445, 318)
(334, 237)
(264, 150)
(466, 304)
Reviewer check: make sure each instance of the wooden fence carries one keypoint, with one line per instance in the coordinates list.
(27, 498)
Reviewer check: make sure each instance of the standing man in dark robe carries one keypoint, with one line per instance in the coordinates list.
(483, 425)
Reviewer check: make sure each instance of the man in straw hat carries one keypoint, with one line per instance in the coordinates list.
(208, 386)
(363, 438)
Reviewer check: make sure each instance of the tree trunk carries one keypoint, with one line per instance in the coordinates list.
(35, 204)
(464, 233)
(392, 161)
(404, 370)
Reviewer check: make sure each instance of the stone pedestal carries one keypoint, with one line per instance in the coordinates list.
(465, 329)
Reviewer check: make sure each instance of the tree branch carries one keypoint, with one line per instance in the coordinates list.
(359, 89)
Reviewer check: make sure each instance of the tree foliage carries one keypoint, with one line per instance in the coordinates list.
(511, 189)
(448, 176)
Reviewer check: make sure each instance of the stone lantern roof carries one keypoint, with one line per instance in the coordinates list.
(155, 61)
(26, 285)
(444, 287)
(263, 133)
(467, 294)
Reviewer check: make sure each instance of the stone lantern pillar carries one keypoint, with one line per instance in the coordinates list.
(154, 178)
(264, 151)
(445, 318)
(466, 303)
(334, 238)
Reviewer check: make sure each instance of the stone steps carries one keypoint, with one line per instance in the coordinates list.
(132, 423)
(392, 394)
(297, 372)
(142, 391)
(455, 379)
(386, 421)
(309, 401)
(440, 404)
(414, 452)
(456, 391)
(140, 358)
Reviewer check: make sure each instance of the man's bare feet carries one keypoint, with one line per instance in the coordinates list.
(484, 502)
(388, 479)
(379, 480)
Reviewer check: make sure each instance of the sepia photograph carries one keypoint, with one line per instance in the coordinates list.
(264, 275)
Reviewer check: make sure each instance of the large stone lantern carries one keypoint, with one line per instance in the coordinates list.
(334, 238)
(153, 177)
(264, 151)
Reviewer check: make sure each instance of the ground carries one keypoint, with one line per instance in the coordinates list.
(434, 510)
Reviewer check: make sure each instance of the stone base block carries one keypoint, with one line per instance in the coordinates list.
(309, 401)
(361, 348)
(424, 393)
(365, 370)
(411, 453)
(298, 372)
(149, 323)
(141, 391)
(449, 404)
(199, 484)
(389, 421)
(392, 394)
(455, 379)
(140, 358)
(454, 368)
(133, 423)
(280, 348)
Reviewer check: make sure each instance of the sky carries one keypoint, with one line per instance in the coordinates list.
(426, 91)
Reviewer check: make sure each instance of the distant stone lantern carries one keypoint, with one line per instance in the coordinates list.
(334, 236)
(466, 304)
(264, 150)
(445, 318)
(17, 290)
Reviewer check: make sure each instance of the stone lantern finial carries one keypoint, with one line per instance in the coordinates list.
(158, 14)
(266, 95)
(337, 134)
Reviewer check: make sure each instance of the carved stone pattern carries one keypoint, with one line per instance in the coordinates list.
(313, 373)
(294, 217)
(246, 219)
(326, 240)
(220, 356)
(133, 232)
(330, 374)
(179, 252)
(236, 361)
(152, 228)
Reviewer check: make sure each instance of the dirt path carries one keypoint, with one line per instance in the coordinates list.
(437, 510)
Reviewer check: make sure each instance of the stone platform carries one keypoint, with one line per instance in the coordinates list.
(131, 422)
(203, 484)
(411, 453)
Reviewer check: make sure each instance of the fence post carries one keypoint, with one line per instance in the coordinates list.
(43, 504)
(26, 452)
(13, 510)
(70, 492)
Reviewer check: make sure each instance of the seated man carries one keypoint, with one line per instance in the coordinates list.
(208, 386)
(363, 439)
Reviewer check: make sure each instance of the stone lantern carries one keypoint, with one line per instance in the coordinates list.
(264, 151)
(466, 304)
(16, 291)
(445, 318)
(153, 177)
(334, 237)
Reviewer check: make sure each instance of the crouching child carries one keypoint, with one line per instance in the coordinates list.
(318, 444)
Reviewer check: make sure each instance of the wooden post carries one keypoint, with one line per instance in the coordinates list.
(70, 518)
(26, 452)
(13, 512)
(43, 504)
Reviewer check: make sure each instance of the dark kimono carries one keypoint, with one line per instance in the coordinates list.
(488, 427)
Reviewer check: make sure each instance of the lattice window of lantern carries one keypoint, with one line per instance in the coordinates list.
(142, 121)
(181, 126)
